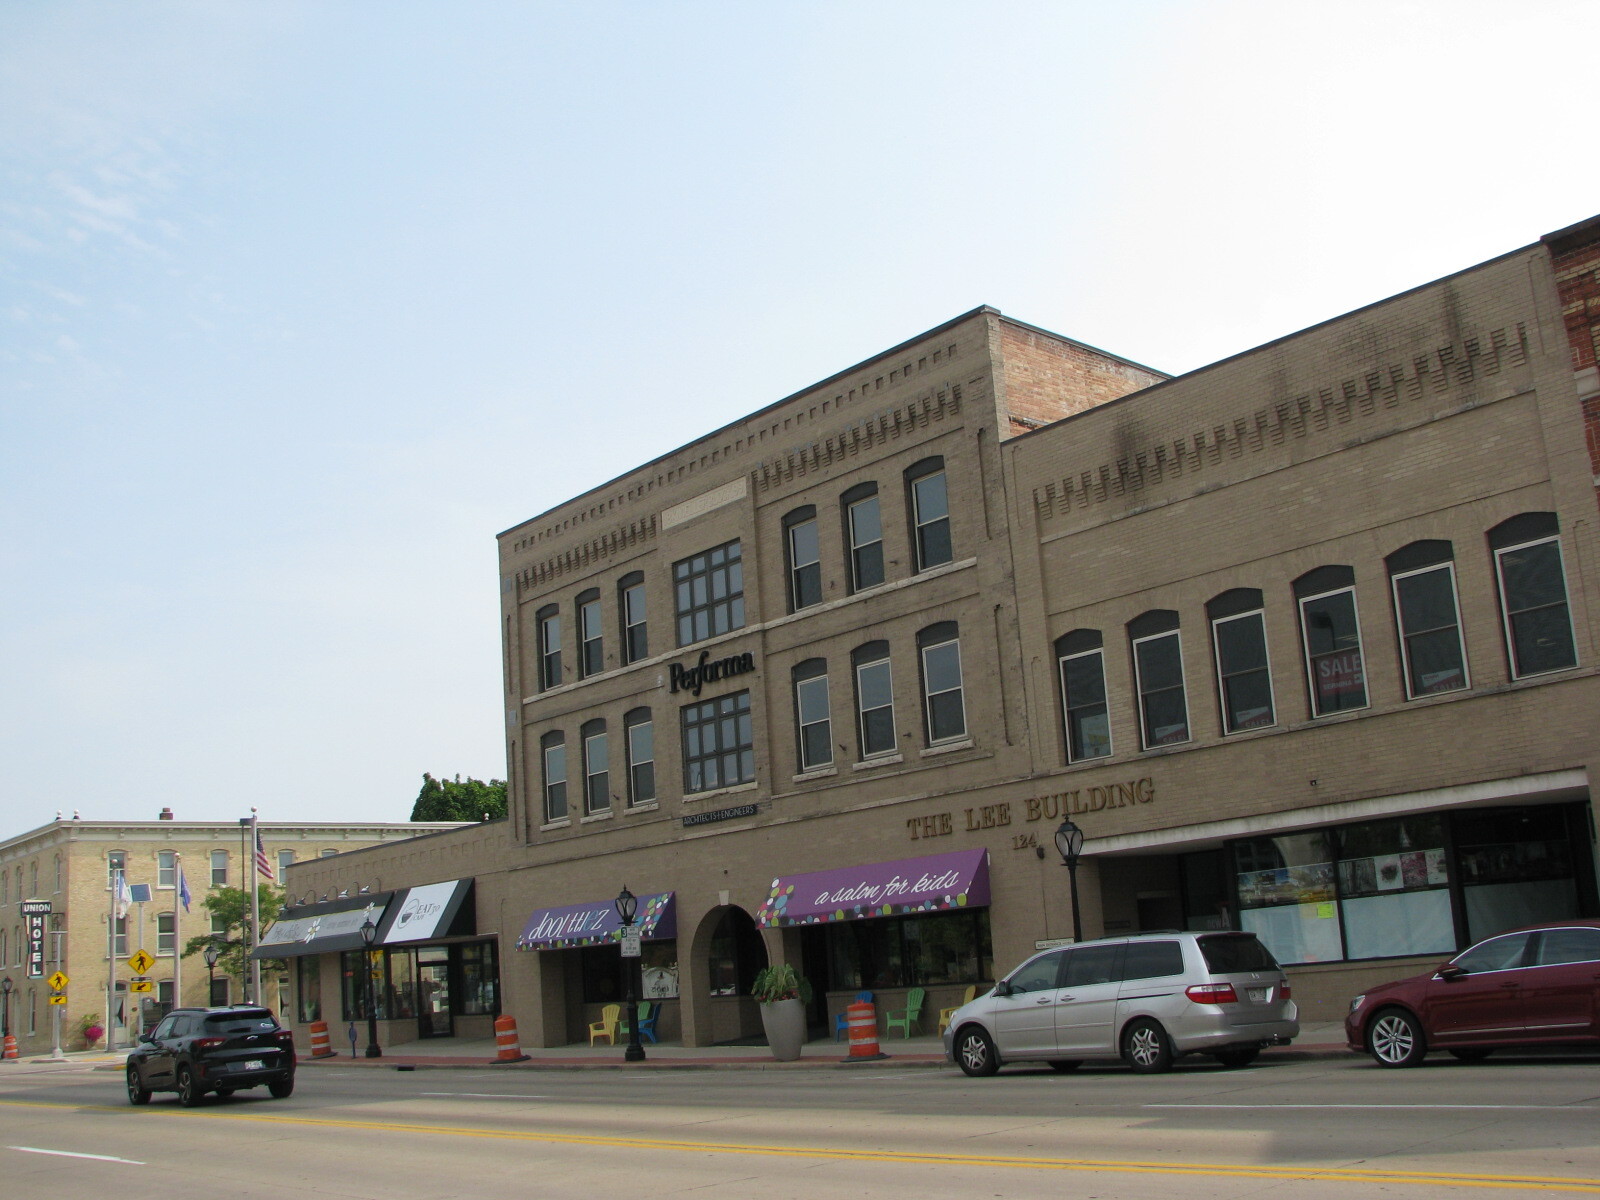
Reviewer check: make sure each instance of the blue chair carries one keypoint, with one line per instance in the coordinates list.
(840, 1023)
(648, 1013)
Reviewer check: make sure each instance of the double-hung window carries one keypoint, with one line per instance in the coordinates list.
(640, 733)
(1158, 676)
(718, 743)
(874, 698)
(863, 527)
(219, 868)
(813, 725)
(1422, 579)
(944, 710)
(709, 593)
(285, 859)
(1533, 594)
(1331, 631)
(548, 623)
(116, 864)
(803, 553)
(1239, 641)
(1081, 658)
(166, 933)
(591, 638)
(596, 768)
(553, 749)
(929, 503)
(630, 608)
(166, 868)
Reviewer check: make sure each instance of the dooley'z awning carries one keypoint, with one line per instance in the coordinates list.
(596, 923)
(959, 879)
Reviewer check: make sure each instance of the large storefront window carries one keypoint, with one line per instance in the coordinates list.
(1394, 888)
(894, 952)
(604, 981)
(1517, 868)
(1286, 895)
(308, 988)
(480, 979)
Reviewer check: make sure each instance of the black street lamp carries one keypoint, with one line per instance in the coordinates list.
(213, 951)
(6, 988)
(369, 931)
(627, 908)
(1069, 842)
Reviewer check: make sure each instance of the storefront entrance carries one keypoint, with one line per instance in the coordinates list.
(433, 993)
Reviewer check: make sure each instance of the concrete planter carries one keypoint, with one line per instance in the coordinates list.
(785, 1024)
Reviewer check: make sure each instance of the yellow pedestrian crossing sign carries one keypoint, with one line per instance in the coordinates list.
(58, 999)
(141, 961)
(57, 982)
(141, 985)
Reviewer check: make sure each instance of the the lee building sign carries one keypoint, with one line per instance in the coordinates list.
(1034, 808)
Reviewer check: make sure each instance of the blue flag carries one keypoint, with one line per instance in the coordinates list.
(183, 890)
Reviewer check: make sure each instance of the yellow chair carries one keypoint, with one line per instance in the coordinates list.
(606, 1026)
(946, 1013)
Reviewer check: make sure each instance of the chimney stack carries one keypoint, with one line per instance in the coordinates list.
(166, 814)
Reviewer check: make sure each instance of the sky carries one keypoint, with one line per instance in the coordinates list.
(302, 303)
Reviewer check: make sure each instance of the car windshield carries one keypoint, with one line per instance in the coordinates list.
(241, 1023)
(1228, 953)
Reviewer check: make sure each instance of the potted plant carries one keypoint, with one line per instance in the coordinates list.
(91, 1029)
(783, 996)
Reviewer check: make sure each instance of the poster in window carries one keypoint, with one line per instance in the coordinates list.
(1390, 877)
(1438, 875)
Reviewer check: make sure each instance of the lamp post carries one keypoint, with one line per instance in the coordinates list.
(213, 951)
(627, 908)
(6, 988)
(1069, 843)
(369, 931)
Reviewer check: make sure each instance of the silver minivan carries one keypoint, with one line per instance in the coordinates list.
(1145, 999)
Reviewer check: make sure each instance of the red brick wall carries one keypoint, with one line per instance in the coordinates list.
(1047, 378)
(1575, 256)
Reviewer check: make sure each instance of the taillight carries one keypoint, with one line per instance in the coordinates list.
(284, 1036)
(209, 1043)
(1212, 993)
(1283, 991)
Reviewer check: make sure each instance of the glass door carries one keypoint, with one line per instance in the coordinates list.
(433, 993)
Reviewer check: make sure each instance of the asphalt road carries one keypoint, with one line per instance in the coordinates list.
(1334, 1129)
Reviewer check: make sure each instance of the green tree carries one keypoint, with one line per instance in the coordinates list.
(230, 910)
(459, 799)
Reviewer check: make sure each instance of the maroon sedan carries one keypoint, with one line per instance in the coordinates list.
(1534, 986)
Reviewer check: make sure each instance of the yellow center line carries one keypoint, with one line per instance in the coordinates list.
(1553, 1183)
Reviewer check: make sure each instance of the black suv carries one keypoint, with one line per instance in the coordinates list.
(198, 1050)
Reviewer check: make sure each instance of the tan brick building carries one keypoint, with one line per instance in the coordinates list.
(67, 865)
(1304, 641)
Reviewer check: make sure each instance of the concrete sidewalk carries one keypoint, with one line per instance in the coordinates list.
(1315, 1041)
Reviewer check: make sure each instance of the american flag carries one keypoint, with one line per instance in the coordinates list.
(263, 865)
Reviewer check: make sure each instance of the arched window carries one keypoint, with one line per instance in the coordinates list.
(1422, 585)
(596, 768)
(631, 611)
(863, 535)
(803, 557)
(548, 623)
(639, 730)
(928, 502)
(591, 638)
(1331, 631)
(943, 705)
(1158, 677)
(812, 716)
(1533, 594)
(1080, 657)
(1239, 645)
(874, 683)
(553, 752)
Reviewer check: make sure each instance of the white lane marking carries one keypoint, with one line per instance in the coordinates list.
(489, 1095)
(70, 1154)
(1409, 1107)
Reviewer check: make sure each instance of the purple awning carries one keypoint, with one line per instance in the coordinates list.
(959, 879)
(596, 923)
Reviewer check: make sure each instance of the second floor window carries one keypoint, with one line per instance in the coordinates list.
(549, 626)
(1239, 641)
(874, 698)
(596, 768)
(1423, 579)
(116, 862)
(944, 709)
(641, 756)
(1158, 676)
(804, 558)
(1533, 595)
(1083, 694)
(930, 513)
(591, 643)
(166, 868)
(553, 750)
(1329, 626)
(219, 868)
(285, 857)
(709, 593)
(863, 522)
(635, 629)
(166, 933)
(813, 726)
(718, 743)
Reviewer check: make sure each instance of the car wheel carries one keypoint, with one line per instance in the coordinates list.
(1395, 1039)
(1065, 1064)
(189, 1092)
(282, 1089)
(975, 1052)
(1237, 1058)
(1473, 1053)
(137, 1092)
(1147, 1048)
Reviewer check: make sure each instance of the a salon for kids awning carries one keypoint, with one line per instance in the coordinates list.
(596, 923)
(936, 882)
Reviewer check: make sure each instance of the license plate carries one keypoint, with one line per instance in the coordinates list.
(1256, 995)
(254, 1064)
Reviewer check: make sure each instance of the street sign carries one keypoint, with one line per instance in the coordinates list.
(142, 985)
(141, 962)
(58, 982)
(630, 945)
(58, 999)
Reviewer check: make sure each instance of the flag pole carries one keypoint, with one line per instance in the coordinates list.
(255, 913)
(111, 961)
(177, 933)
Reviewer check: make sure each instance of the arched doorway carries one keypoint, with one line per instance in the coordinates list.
(726, 952)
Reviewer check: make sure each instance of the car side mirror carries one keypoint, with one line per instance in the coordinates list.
(1002, 988)
(1450, 971)
(147, 1039)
